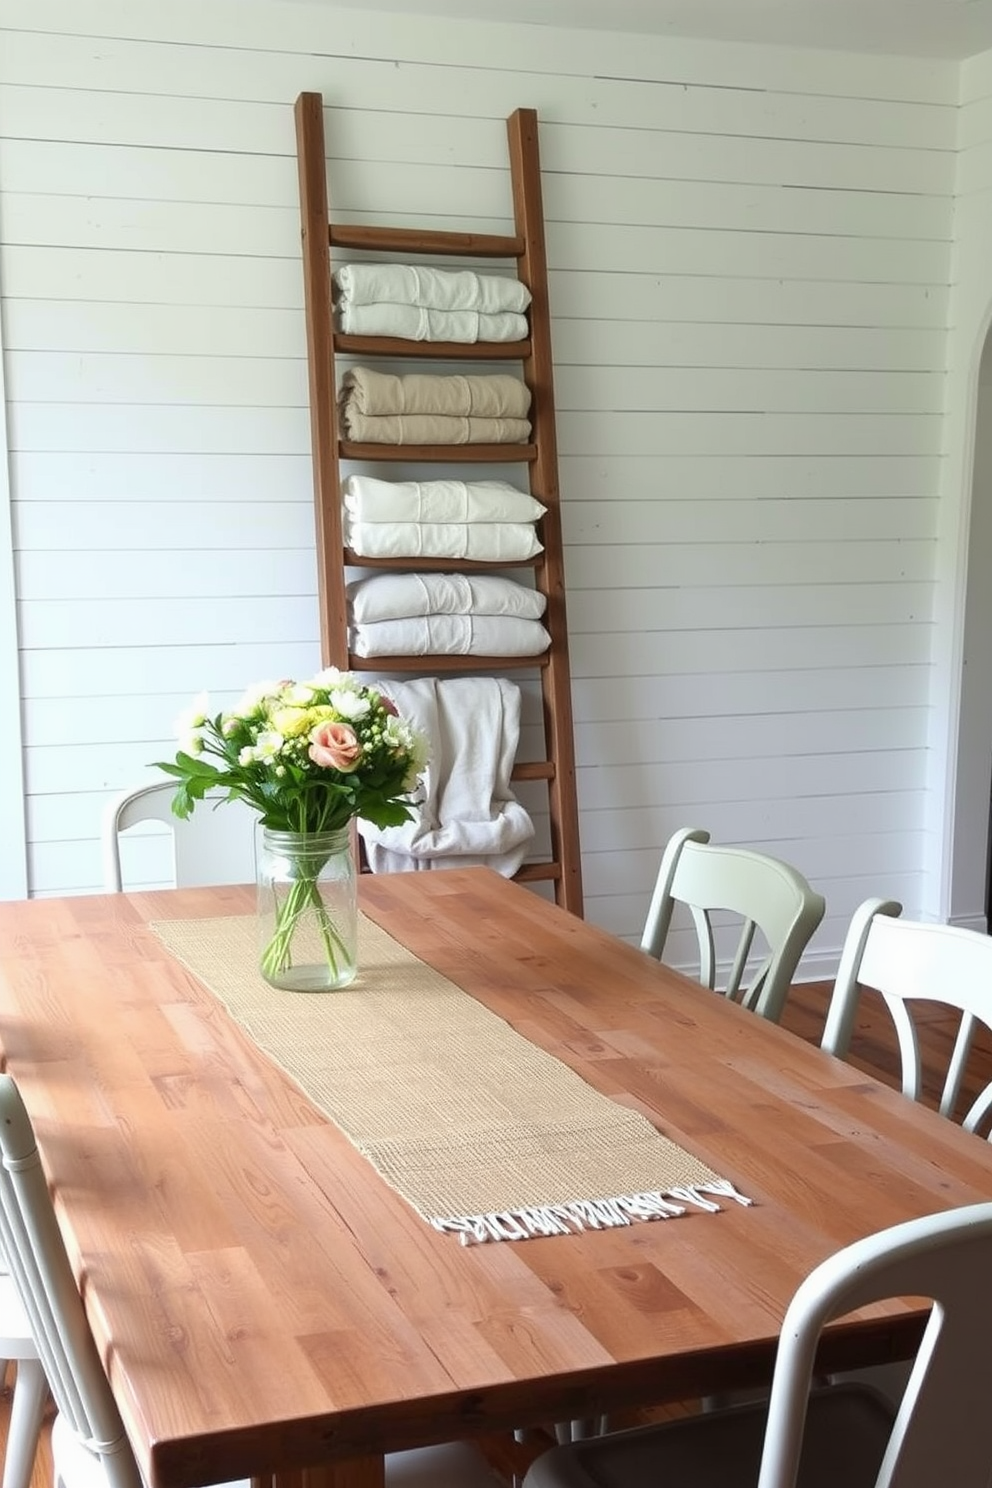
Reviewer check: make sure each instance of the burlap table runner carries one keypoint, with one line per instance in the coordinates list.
(482, 1132)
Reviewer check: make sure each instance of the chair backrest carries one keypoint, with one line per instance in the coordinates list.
(765, 893)
(41, 1272)
(943, 1427)
(907, 962)
(216, 845)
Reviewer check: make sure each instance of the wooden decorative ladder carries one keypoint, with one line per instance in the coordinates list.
(526, 247)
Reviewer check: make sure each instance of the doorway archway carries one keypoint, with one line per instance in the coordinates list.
(972, 803)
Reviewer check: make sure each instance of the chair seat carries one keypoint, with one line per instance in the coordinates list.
(847, 1430)
(451, 1465)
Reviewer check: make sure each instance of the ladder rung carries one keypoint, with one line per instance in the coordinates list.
(481, 454)
(533, 770)
(461, 351)
(538, 873)
(440, 565)
(424, 240)
(434, 663)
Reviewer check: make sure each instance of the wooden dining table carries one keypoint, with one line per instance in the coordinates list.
(266, 1305)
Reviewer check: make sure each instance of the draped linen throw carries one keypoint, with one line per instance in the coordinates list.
(483, 1133)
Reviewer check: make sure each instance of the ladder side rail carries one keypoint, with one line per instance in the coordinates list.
(556, 691)
(309, 113)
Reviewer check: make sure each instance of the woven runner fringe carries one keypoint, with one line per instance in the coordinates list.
(586, 1214)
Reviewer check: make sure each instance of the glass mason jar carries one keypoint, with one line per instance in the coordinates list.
(307, 910)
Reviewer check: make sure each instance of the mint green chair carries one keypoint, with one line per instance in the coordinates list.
(769, 897)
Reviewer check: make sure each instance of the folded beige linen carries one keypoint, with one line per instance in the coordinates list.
(425, 428)
(457, 396)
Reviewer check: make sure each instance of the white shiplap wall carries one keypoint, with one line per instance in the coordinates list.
(749, 253)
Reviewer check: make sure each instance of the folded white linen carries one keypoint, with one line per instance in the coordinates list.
(450, 635)
(494, 395)
(400, 596)
(435, 289)
(487, 542)
(367, 499)
(467, 814)
(414, 323)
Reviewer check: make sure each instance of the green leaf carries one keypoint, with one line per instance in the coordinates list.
(386, 813)
(199, 767)
(182, 805)
(169, 769)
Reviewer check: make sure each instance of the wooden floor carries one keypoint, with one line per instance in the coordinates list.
(873, 1049)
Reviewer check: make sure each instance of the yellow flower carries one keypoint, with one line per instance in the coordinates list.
(291, 722)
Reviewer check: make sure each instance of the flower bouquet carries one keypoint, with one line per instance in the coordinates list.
(308, 757)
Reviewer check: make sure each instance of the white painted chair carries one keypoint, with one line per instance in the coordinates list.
(205, 852)
(907, 962)
(841, 1436)
(89, 1446)
(216, 845)
(765, 893)
(30, 1397)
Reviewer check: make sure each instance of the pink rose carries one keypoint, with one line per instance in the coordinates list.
(334, 746)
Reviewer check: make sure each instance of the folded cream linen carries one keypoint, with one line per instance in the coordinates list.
(400, 596)
(486, 542)
(370, 500)
(413, 323)
(467, 815)
(436, 289)
(422, 428)
(493, 396)
(450, 635)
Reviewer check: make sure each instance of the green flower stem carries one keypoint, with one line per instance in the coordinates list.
(303, 894)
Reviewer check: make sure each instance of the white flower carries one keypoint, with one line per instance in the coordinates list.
(300, 695)
(349, 704)
(400, 735)
(267, 745)
(193, 717)
(328, 678)
(412, 778)
(246, 756)
(253, 697)
(419, 745)
(396, 733)
(191, 743)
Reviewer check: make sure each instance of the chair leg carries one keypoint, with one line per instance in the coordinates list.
(26, 1414)
(581, 1429)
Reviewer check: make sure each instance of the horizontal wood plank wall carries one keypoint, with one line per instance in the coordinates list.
(749, 251)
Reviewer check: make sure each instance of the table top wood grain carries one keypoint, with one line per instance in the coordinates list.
(265, 1303)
